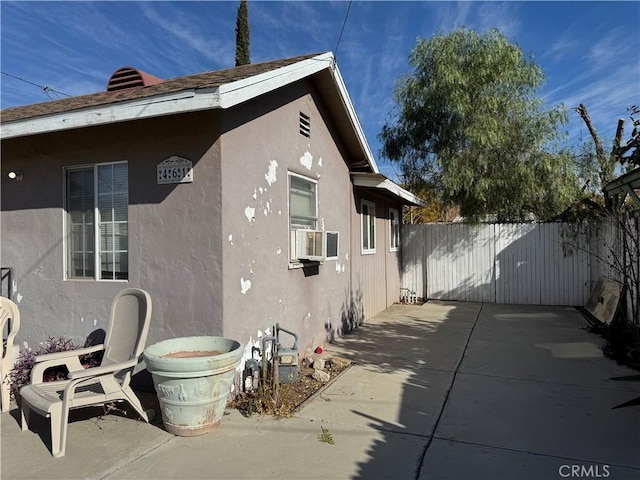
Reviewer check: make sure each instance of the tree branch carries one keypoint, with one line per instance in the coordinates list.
(582, 111)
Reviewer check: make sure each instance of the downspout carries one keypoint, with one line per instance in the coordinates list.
(351, 199)
(385, 235)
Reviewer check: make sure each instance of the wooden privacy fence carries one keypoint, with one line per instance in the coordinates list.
(497, 263)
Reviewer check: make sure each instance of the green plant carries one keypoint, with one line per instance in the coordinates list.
(326, 437)
(20, 374)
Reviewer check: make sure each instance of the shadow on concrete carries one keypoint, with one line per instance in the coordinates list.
(525, 369)
(419, 355)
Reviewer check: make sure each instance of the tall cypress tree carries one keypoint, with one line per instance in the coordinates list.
(242, 35)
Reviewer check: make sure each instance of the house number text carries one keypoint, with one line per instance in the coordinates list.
(175, 170)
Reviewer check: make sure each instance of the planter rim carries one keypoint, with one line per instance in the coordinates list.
(157, 361)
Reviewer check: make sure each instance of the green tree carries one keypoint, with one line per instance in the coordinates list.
(468, 121)
(242, 35)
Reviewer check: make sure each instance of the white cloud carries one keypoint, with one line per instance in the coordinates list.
(607, 50)
(450, 16)
(562, 48)
(503, 15)
(212, 47)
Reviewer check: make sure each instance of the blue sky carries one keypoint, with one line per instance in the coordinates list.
(590, 51)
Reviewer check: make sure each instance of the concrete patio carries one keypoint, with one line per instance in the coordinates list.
(439, 391)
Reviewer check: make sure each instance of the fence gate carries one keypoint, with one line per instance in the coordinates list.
(498, 263)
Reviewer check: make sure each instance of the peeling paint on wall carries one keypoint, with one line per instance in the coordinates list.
(270, 176)
(337, 267)
(26, 347)
(231, 239)
(245, 285)
(250, 213)
(19, 298)
(278, 251)
(255, 193)
(306, 160)
(320, 162)
(248, 351)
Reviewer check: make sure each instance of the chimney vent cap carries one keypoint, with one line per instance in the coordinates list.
(126, 78)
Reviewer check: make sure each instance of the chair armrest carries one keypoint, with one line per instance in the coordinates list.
(102, 370)
(70, 359)
(69, 353)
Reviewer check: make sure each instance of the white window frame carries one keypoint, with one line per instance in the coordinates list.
(370, 221)
(97, 250)
(394, 230)
(292, 240)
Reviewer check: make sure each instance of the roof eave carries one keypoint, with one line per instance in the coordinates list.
(224, 96)
(380, 182)
(620, 184)
(156, 106)
(355, 123)
(184, 101)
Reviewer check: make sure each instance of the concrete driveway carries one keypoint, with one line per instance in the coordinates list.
(440, 391)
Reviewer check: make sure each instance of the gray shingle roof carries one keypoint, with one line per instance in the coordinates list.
(190, 82)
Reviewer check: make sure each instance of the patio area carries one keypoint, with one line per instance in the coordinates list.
(455, 390)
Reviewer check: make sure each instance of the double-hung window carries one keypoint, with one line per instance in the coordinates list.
(303, 208)
(96, 206)
(303, 203)
(368, 214)
(394, 226)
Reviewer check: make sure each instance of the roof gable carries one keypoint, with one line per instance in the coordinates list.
(206, 80)
(218, 89)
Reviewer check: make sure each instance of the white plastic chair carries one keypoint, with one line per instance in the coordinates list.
(109, 382)
(10, 319)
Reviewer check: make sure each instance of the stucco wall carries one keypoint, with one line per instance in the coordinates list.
(375, 277)
(261, 144)
(213, 254)
(174, 241)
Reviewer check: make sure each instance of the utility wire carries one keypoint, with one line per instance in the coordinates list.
(46, 90)
(342, 30)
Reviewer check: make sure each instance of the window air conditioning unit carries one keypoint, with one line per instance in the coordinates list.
(309, 245)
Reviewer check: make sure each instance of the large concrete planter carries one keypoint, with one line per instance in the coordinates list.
(193, 377)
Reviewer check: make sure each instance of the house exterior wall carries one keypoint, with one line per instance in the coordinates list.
(214, 253)
(375, 276)
(261, 145)
(172, 239)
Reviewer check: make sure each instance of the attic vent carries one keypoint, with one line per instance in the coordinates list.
(305, 125)
(128, 77)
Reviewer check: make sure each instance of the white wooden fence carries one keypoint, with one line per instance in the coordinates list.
(498, 263)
